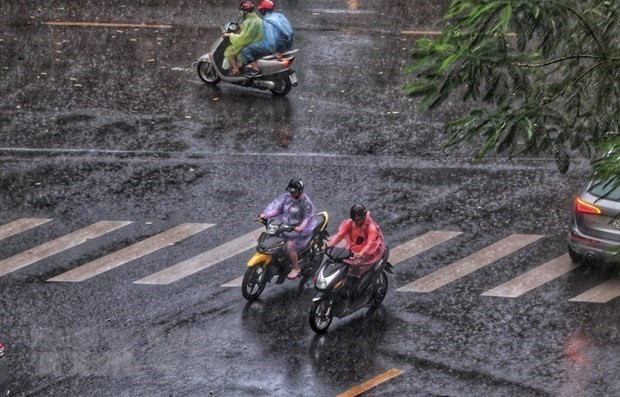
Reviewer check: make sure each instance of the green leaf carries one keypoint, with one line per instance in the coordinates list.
(449, 61)
(505, 17)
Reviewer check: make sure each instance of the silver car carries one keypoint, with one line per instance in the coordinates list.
(4, 373)
(594, 235)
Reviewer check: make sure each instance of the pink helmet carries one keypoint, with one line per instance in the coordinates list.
(247, 6)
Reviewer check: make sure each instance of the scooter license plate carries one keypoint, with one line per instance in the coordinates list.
(293, 78)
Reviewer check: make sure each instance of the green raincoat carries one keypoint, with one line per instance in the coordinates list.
(251, 32)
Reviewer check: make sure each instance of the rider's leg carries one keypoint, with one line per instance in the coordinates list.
(253, 52)
(235, 65)
(291, 250)
(254, 66)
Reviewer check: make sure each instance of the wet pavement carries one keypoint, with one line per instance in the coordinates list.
(114, 124)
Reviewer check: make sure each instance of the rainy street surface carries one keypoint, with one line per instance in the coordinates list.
(128, 189)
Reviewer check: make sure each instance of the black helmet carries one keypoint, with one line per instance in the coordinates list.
(295, 185)
(247, 6)
(358, 211)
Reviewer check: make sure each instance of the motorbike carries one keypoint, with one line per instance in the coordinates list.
(334, 297)
(270, 260)
(278, 75)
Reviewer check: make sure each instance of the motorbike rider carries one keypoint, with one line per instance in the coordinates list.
(293, 208)
(251, 32)
(363, 237)
(278, 38)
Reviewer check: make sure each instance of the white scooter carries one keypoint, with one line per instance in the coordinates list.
(277, 75)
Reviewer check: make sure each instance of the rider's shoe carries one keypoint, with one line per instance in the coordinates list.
(251, 73)
(293, 274)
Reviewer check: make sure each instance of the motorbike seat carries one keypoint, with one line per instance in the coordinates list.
(320, 223)
(284, 55)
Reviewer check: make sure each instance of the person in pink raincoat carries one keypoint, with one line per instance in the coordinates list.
(361, 227)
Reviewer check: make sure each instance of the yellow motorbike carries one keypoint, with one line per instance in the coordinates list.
(270, 260)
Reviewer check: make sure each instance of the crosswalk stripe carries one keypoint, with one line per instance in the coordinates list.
(204, 260)
(419, 245)
(602, 293)
(470, 263)
(398, 254)
(534, 278)
(234, 283)
(20, 225)
(58, 245)
(132, 252)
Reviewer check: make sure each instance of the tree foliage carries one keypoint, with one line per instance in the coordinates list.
(543, 76)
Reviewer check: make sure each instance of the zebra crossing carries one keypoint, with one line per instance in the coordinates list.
(451, 273)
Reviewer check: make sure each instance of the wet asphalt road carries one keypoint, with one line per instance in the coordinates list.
(113, 124)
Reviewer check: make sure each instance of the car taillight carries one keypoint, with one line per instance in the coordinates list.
(581, 207)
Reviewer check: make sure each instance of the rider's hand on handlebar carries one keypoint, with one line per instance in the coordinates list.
(298, 229)
(357, 255)
(226, 35)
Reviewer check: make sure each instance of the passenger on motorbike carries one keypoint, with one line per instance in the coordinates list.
(293, 208)
(278, 37)
(251, 32)
(363, 237)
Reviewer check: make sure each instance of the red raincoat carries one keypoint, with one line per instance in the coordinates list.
(371, 248)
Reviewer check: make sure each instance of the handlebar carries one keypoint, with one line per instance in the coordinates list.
(329, 251)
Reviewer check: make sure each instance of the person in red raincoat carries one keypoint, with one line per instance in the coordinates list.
(371, 245)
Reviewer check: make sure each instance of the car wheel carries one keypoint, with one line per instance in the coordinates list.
(575, 257)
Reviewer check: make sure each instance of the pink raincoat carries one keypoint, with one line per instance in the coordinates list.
(371, 248)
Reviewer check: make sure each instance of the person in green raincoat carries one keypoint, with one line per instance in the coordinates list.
(251, 31)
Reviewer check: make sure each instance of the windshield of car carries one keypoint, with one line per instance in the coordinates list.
(605, 192)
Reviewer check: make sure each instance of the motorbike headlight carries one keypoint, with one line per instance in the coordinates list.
(321, 283)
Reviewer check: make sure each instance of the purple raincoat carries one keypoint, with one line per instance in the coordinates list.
(298, 212)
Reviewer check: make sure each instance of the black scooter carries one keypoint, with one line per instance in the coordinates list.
(338, 295)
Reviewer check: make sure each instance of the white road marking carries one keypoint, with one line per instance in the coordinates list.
(132, 252)
(470, 264)
(234, 283)
(419, 245)
(602, 293)
(204, 260)
(398, 254)
(534, 278)
(20, 225)
(58, 245)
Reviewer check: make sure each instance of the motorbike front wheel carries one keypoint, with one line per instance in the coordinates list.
(320, 316)
(207, 73)
(283, 85)
(254, 282)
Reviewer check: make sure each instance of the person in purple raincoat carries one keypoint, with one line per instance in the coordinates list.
(293, 208)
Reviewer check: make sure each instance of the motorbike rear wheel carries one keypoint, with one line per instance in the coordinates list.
(381, 288)
(320, 316)
(254, 282)
(207, 73)
(283, 85)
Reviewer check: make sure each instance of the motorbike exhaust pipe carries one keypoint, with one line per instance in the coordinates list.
(270, 85)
